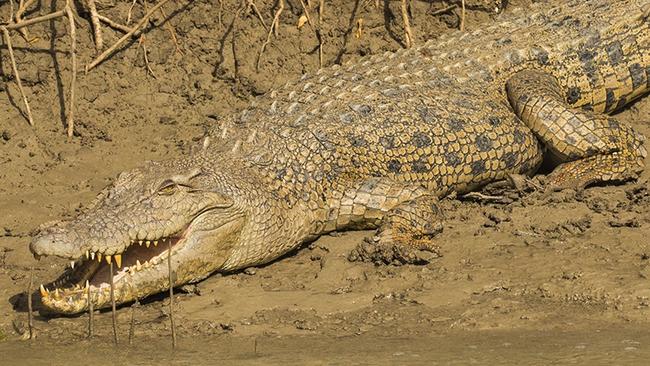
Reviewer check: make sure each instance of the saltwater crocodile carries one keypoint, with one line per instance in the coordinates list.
(371, 144)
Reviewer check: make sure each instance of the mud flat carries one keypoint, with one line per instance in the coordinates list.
(561, 277)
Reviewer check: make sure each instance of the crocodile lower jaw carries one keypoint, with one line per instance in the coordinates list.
(90, 275)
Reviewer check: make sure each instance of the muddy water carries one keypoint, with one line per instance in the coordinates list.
(591, 346)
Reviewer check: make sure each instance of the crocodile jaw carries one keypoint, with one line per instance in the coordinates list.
(197, 253)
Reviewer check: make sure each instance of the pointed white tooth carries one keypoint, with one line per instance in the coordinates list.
(87, 254)
(138, 266)
(140, 242)
(118, 260)
(155, 243)
(72, 264)
(57, 295)
(147, 243)
(108, 259)
(99, 257)
(43, 292)
(92, 255)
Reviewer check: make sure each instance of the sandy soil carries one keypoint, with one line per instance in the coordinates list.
(563, 262)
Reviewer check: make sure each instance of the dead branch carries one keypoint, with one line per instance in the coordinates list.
(108, 52)
(7, 37)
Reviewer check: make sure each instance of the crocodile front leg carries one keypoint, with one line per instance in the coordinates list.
(590, 147)
(406, 215)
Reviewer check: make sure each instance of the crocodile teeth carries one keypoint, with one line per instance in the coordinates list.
(118, 260)
(87, 254)
(155, 243)
(140, 242)
(138, 266)
(72, 264)
(92, 255)
(147, 243)
(99, 257)
(108, 259)
(44, 292)
(57, 295)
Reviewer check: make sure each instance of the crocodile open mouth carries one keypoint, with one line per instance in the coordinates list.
(91, 272)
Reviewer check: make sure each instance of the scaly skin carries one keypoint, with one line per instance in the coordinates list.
(372, 145)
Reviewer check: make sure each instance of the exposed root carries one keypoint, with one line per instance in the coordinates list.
(408, 35)
(22, 8)
(135, 305)
(172, 33)
(462, 16)
(73, 81)
(114, 313)
(94, 18)
(128, 16)
(315, 30)
(171, 295)
(273, 30)
(142, 43)
(114, 25)
(30, 315)
(7, 37)
(108, 52)
(251, 5)
(91, 329)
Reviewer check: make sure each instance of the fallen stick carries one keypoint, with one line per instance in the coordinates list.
(73, 82)
(171, 295)
(114, 313)
(120, 41)
(28, 110)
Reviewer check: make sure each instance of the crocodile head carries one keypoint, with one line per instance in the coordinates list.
(133, 224)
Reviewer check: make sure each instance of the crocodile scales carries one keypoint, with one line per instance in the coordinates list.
(371, 144)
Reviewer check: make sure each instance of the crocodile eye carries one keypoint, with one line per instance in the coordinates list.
(167, 188)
